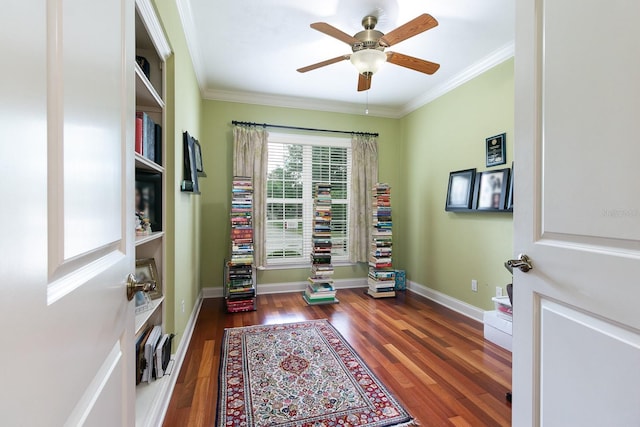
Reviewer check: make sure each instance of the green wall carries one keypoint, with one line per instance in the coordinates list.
(441, 250)
(183, 209)
(217, 146)
(444, 250)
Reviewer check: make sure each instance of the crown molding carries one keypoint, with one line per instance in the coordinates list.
(186, 17)
(495, 58)
(299, 103)
(188, 27)
(152, 23)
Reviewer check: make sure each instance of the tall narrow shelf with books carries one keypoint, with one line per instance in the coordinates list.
(381, 273)
(320, 288)
(239, 273)
(152, 341)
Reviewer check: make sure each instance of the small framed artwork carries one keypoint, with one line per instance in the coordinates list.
(148, 201)
(198, 155)
(190, 174)
(491, 189)
(460, 190)
(496, 148)
(510, 197)
(146, 271)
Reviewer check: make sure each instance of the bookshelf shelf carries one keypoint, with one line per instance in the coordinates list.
(147, 399)
(239, 272)
(382, 276)
(142, 163)
(146, 94)
(320, 289)
(141, 240)
(143, 318)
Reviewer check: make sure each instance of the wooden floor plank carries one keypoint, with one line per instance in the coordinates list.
(434, 360)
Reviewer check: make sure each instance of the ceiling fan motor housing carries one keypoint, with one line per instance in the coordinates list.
(369, 37)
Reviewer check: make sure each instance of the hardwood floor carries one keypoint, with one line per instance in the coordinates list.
(433, 359)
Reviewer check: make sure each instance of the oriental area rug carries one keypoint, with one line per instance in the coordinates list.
(299, 374)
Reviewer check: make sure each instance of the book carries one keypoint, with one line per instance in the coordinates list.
(148, 135)
(149, 353)
(138, 141)
(158, 144)
(310, 302)
(376, 294)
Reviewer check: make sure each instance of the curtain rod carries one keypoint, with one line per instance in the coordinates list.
(265, 125)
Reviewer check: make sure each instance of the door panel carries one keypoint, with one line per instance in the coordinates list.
(66, 157)
(577, 213)
(591, 100)
(92, 111)
(618, 349)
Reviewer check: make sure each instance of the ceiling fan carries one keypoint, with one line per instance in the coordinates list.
(368, 47)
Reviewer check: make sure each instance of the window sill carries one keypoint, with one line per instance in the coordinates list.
(301, 266)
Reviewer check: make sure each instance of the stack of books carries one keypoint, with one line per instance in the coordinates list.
(320, 288)
(239, 273)
(382, 276)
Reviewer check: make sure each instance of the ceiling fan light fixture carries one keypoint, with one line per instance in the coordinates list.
(368, 61)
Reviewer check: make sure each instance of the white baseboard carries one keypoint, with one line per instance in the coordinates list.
(285, 287)
(212, 292)
(445, 300)
(178, 357)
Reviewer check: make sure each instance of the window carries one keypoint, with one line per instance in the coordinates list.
(296, 164)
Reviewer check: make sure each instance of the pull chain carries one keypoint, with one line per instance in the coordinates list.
(366, 110)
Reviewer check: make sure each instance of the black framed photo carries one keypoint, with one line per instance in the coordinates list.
(148, 201)
(510, 197)
(491, 189)
(198, 158)
(496, 148)
(190, 174)
(460, 190)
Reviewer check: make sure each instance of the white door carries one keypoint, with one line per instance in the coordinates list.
(577, 214)
(66, 108)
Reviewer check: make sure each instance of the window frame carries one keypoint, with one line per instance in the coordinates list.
(309, 141)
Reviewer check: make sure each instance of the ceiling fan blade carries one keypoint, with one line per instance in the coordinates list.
(418, 25)
(416, 64)
(364, 82)
(332, 31)
(323, 63)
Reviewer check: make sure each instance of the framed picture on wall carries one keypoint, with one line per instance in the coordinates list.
(491, 189)
(510, 197)
(190, 173)
(460, 190)
(496, 149)
(198, 155)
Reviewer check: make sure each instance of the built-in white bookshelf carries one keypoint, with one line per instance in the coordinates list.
(152, 45)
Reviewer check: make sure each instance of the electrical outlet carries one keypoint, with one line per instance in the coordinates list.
(474, 285)
(498, 291)
(183, 306)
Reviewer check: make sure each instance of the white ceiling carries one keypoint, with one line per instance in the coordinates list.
(249, 50)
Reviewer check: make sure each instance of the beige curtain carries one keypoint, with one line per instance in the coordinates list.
(250, 158)
(364, 175)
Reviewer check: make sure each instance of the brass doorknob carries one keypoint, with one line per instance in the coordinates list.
(523, 263)
(134, 286)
